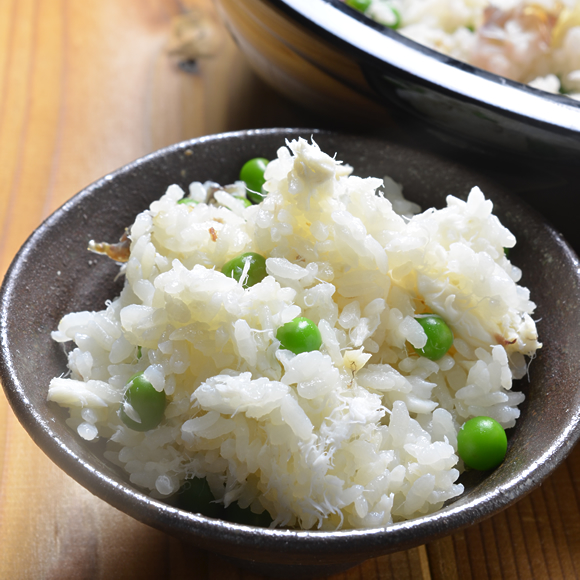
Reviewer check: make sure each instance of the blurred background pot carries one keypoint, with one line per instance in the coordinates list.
(331, 58)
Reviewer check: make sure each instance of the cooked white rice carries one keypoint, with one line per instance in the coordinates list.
(532, 41)
(361, 433)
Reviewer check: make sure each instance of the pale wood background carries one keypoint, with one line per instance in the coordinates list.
(86, 86)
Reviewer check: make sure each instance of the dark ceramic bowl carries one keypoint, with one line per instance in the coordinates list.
(330, 57)
(54, 274)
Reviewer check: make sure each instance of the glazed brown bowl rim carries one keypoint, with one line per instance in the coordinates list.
(359, 544)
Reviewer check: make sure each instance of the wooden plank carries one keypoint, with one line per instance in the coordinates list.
(442, 557)
(85, 88)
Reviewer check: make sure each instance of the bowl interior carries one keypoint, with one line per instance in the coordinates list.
(54, 274)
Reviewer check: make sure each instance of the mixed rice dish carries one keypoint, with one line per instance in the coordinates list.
(358, 431)
(536, 42)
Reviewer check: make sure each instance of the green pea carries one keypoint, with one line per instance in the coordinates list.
(139, 352)
(195, 496)
(360, 5)
(506, 252)
(299, 335)
(252, 174)
(397, 19)
(188, 201)
(439, 336)
(234, 513)
(256, 273)
(563, 90)
(148, 403)
(482, 443)
(247, 202)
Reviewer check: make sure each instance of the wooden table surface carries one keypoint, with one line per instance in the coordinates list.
(85, 87)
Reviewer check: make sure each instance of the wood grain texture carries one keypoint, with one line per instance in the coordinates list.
(86, 87)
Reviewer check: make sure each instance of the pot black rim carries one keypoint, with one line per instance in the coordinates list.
(380, 47)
